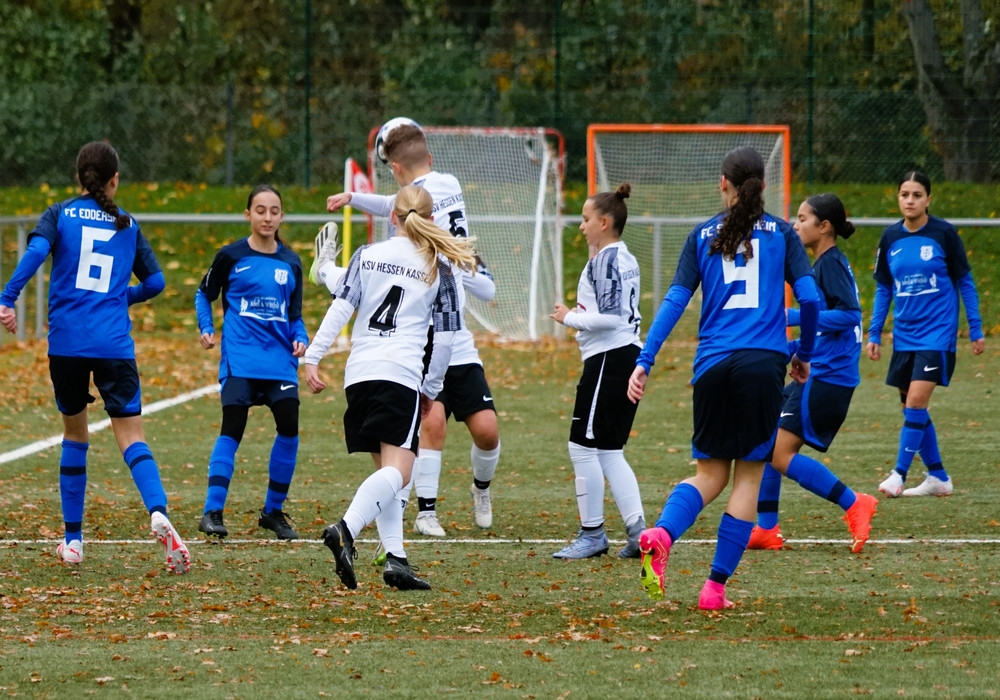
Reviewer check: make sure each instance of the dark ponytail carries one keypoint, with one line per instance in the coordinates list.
(743, 167)
(828, 207)
(613, 204)
(96, 163)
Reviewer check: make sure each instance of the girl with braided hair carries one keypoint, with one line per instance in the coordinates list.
(96, 249)
(742, 259)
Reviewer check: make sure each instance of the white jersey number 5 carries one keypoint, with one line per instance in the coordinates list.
(749, 273)
(91, 262)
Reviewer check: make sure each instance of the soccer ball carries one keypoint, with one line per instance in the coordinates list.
(384, 132)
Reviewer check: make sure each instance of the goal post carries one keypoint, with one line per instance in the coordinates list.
(674, 173)
(512, 180)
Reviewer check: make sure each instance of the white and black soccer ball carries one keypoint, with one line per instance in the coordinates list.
(384, 132)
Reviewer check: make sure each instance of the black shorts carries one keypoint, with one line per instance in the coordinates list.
(814, 411)
(380, 411)
(603, 414)
(736, 407)
(117, 382)
(920, 365)
(465, 392)
(239, 391)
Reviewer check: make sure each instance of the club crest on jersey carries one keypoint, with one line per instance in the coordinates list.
(281, 276)
(926, 252)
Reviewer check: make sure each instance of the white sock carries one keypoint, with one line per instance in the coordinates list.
(427, 473)
(376, 493)
(624, 487)
(390, 525)
(484, 462)
(329, 274)
(589, 484)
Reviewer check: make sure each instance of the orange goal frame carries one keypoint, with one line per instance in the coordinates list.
(779, 129)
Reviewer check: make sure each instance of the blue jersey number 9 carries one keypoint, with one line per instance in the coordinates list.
(749, 273)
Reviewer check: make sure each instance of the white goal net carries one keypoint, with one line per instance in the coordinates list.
(674, 173)
(512, 182)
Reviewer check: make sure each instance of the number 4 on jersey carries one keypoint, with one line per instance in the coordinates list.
(383, 321)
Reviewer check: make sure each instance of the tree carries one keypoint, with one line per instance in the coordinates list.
(959, 99)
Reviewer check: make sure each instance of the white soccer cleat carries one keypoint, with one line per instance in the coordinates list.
(176, 552)
(326, 248)
(427, 524)
(893, 485)
(70, 552)
(482, 508)
(932, 486)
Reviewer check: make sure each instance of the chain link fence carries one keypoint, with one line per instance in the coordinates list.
(225, 134)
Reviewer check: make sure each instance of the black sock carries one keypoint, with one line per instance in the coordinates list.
(481, 485)
(426, 504)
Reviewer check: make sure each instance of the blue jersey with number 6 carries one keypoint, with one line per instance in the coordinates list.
(92, 265)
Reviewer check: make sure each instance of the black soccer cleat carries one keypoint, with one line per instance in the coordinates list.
(399, 575)
(339, 540)
(277, 522)
(211, 524)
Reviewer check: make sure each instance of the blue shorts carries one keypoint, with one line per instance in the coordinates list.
(736, 406)
(380, 411)
(920, 365)
(465, 392)
(814, 411)
(603, 414)
(239, 391)
(117, 382)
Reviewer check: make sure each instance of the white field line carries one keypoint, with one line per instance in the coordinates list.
(494, 540)
(213, 388)
(102, 424)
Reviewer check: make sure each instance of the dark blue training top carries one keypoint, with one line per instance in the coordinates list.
(923, 269)
(262, 311)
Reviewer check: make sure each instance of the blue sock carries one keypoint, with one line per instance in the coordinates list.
(73, 487)
(280, 471)
(767, 499)
(814, 477)
(681, 510)
(220, 472)
(146, 476)
(930, 454)
(732, 541)
(910, 437)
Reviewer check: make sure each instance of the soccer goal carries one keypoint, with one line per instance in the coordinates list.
(674, 173)
(512, 182)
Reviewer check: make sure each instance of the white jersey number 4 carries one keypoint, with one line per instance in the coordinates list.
(383, 321)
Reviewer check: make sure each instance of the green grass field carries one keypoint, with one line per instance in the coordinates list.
(914, 616)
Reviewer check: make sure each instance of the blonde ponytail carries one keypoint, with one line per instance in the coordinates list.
(414, 208)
